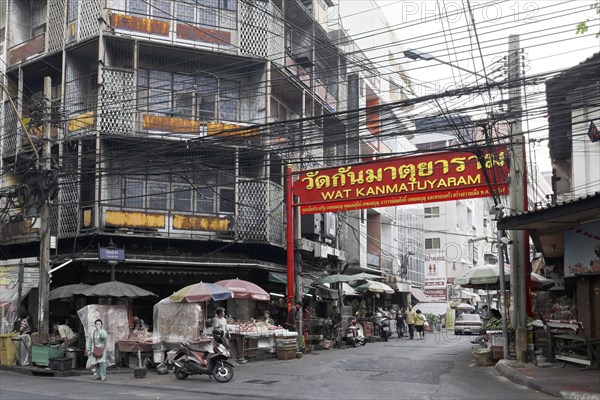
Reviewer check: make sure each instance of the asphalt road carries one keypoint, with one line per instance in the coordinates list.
(440, 367)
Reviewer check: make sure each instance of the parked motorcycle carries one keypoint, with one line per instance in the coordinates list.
(385, 331)
(355, 334)
(203, 359)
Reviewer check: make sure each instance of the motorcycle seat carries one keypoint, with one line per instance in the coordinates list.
(204, 347)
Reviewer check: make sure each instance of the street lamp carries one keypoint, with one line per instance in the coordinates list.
(420, 55)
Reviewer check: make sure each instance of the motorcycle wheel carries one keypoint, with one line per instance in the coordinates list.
(222, 372)
(363, 342)
(180, 373)
(354, 342)
(385, 337)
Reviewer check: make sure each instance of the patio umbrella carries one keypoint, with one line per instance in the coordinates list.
(66, 291)
(364, 276)
(114, 289)
(335, 278)
(201, 292)
(244, 290)
(485, 276)
(376, 287)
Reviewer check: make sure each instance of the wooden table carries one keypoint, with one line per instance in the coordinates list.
(577, 349)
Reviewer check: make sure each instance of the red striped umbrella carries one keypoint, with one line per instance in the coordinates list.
(199, 292)
(244, 290)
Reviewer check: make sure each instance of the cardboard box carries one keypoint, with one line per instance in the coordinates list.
(286, 354)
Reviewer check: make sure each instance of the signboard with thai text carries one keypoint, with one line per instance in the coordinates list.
(397, 181)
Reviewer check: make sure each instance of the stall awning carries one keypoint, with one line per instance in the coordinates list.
(278, 277)
(419, 295)
(402, 287)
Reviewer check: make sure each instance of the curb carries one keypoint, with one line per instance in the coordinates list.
(507, 368)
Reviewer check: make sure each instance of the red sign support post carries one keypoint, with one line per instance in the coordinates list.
(289, 212)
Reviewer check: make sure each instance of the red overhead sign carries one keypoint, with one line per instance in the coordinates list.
(426, 178)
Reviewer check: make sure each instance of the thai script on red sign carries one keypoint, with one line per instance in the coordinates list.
(431, 177)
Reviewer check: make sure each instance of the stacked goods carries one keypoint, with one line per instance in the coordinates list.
(286, 349)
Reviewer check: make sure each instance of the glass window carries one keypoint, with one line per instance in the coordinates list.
(158, 195)
(134, 192)
(226, 200)
(205, 200)
(185, 12)
(207, 16)
(159, 100)
(228, 110)
(432, 212)
(183, 104)
(432, 243)
(206, 106)
(161, 9)
(229, 4)
(228, 19)
(182, 198)
(139, 7)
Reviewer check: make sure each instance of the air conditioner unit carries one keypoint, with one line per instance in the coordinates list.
(329, 225)
(311, 226)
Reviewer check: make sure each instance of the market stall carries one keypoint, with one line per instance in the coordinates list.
(115, 321)
(252, 337)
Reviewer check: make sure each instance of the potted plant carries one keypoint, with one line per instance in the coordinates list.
(434, 321)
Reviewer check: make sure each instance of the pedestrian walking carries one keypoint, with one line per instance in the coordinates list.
(410, 321)
(400, 323)
(420, 324)
(96, 350)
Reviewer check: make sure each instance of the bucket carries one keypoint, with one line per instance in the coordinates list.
(72, 354)
(159, 356)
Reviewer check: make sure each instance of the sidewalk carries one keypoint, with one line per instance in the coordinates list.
(564, 380)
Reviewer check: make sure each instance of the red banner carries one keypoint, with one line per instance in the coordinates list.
(426, 178)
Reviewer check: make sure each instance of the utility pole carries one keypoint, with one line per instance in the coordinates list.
(502, 297)
(518, 195)
(44, 167)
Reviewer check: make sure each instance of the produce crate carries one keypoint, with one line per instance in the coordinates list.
(496, 338)
(286, 354)
(61, 363)
(497, 352)
(251, 347)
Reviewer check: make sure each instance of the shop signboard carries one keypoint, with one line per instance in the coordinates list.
(435, 276)
(397, 181)
(440, 293)
(9, 273)
(582, 250)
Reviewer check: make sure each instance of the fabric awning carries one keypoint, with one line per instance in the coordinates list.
(402, 287)
(278, 277)
(419, 295)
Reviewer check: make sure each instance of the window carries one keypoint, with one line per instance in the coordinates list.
(161, 9)
(139, 7)
(432, 212)
(226, 200)
(230, 98)
(38, 30)
(158, 195)
(188, 96)
(134, 192)
(185, 12)
(205, 200)
(433, 243)
(214, 14)
(182, 198)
